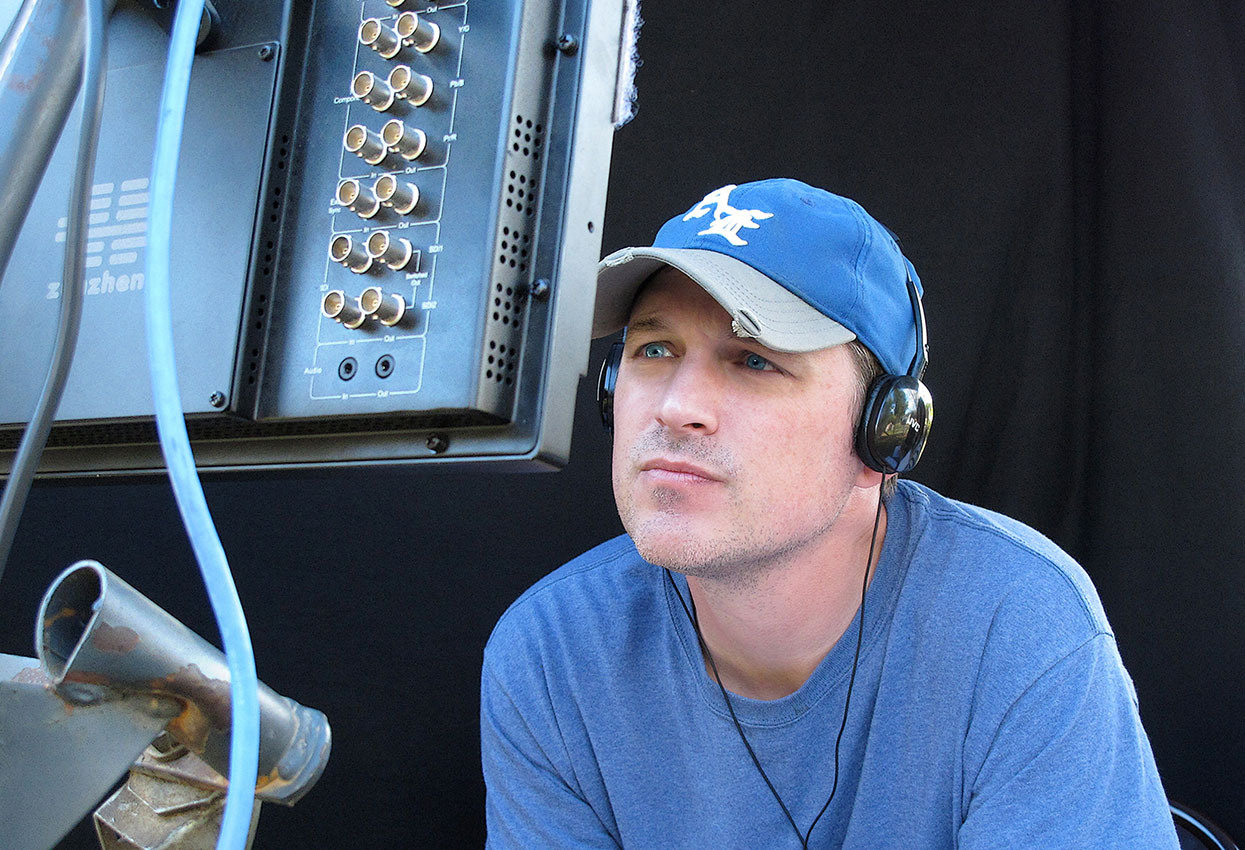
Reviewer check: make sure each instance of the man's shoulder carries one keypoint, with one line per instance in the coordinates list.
(999, 560)
(966, 524)
(602, 569)
(577, 596)
(996, 601)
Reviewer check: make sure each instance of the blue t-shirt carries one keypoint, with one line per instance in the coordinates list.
(990, 709)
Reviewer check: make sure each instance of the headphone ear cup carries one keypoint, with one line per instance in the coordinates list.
(895, 423)
(606, 382)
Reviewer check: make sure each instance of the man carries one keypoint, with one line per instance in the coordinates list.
(720, 676)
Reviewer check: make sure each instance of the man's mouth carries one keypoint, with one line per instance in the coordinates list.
(670, 469)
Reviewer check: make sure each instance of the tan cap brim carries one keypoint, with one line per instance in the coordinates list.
(759, 307)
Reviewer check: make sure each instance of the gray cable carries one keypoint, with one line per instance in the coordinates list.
(36, 435)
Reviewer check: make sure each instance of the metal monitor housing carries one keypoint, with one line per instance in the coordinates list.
(275, 227)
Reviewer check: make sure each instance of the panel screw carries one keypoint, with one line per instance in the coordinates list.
(437, 443)
(266, 53)
(217, 399)
(540, 290)
(567, 44)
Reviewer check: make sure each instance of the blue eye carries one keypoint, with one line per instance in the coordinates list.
(654, 349)
(757, 362)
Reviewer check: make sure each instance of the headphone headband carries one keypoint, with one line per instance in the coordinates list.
(920, 358)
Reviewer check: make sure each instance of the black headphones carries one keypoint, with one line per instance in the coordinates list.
(898, 410)
(894, 422)
(607, 380)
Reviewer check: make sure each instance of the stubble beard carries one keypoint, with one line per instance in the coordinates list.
(737, 558)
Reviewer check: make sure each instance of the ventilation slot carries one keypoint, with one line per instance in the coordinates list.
(267, 260)
(528, 137)
(501, 363)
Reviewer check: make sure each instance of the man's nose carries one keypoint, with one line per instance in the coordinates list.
(692, 397)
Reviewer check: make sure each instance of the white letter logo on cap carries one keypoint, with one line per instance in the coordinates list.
(727, 221)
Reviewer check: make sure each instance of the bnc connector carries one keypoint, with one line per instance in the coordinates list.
(417, 32)
(382, 39)
(357, 198)
(406, 142)
(354, 257)
(366, 143)
(339, 308)
(388, 309)
(413, 87)
(395, 253)
(372, 90)
(401, 196)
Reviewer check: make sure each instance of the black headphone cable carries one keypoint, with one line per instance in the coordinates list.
(691, 616)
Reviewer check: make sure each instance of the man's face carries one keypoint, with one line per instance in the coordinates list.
(728, 456)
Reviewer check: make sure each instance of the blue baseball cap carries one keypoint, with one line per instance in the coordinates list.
(796, 267)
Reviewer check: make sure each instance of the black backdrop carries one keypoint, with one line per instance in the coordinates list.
(1069, 181)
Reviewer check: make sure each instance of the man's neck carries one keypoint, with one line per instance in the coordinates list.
(768, 635)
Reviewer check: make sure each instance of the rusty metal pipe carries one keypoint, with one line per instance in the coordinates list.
(99, 638)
